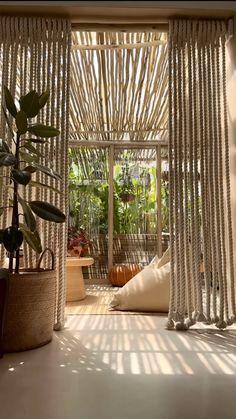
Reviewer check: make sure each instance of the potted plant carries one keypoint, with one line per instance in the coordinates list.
(78, 246)
(78, 243)
(126, 193)
(30, 295)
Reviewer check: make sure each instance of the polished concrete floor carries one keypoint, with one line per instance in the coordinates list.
(122, 367)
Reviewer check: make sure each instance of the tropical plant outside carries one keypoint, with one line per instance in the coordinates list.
(134, 196)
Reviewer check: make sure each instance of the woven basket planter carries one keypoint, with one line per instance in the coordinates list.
(29, 316)
(119, 275)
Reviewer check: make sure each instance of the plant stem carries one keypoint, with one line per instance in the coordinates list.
(11, 256)
(15, 214)
(17, 261)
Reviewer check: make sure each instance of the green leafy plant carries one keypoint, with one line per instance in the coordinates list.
(23, 162)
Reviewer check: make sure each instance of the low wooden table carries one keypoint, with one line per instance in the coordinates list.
(75, 289)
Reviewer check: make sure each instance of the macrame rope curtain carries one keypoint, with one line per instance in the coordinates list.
(35, 54)
(200, 213)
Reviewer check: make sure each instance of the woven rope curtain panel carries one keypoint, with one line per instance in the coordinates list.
(35, 55)
(202, 270)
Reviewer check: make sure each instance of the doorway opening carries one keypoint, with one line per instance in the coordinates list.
(118, 146)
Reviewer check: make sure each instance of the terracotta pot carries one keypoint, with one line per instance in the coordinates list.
(127, 197)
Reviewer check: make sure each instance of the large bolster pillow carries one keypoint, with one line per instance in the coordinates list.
(147, 291)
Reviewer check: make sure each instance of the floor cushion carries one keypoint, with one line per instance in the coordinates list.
(154, 261)
(159, 262)
(147, 291)
(164, 259)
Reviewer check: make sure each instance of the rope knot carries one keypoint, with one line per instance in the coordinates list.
(181, 326)
(170, 324)
(221, 324)
(189, 322)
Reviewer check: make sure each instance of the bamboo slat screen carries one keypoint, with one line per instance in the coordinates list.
(119, 86)
(144, 154)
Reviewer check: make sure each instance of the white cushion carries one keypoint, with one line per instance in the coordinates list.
(154, 261)
(147, 291)
(164, 259)
(159, 262)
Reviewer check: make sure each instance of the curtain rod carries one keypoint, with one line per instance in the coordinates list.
(162, 26)
(118, 144)
(119, 27)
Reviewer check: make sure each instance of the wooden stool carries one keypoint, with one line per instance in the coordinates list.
(75, 289)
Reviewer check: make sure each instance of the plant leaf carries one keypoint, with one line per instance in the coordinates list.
(47, 211)
(30, 169)
(1, 235)
(41, 130)
(32, 238)
(4, 147)
(12, 238)
(28, 215)
(30, 104)
(21, 122)
(37, 140)
(28, 157)
(48, 172)
(10, 102)
(21, 176)
(7, 159)
(43, 185)
(32, 149)
(43, 98)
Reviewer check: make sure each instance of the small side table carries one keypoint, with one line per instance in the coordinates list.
(75, 289)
